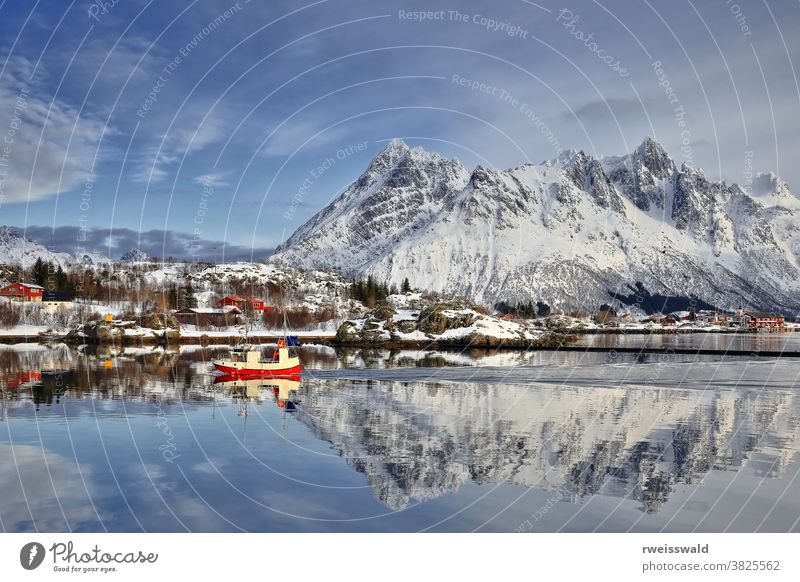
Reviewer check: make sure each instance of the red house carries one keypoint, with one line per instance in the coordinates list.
(244, 303)
(22, 292)
(763, 321)
(257, 304)
(232, 300)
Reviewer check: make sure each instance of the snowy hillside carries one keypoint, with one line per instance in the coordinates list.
(401, 191)
(573, 231)
(16, 249)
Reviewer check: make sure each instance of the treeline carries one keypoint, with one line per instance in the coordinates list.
(52, 277)
(85, 284)
(181, 297)
(370, 292)
(524, 310)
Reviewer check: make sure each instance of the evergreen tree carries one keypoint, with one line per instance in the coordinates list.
(369, 292)
(406, 286)
(189, 299)
(39, 272)
(542, 309)
(502, 307)
(172, 297)
(62, 282)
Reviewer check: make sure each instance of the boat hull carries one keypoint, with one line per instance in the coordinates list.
(265, 370)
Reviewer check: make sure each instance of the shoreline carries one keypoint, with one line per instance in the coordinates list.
(560, 341)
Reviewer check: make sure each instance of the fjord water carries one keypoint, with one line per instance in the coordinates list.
(371, 440)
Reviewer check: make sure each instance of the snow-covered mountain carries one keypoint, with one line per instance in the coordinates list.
(402, 191)
(570, 231)
(18, 250)
(135, 256)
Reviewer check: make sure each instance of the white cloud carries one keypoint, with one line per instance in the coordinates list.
(213, 180)
(196, 136)
(47, 147)
(38, 485)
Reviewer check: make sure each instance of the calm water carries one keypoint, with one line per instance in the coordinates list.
(407, 441)
(711, 341)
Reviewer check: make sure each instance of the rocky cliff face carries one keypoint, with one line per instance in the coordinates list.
(573, 231)
(401, 190)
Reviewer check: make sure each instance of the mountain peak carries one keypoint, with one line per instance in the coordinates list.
(655, 158)
(395, 150)
(396, 144)
(564, 158)
(386, 159)
(135, 256)
(650, 143)
(10, 232)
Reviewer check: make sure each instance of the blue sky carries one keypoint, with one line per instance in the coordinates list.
(227, 125)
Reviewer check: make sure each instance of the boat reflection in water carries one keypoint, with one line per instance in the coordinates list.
(283, 388)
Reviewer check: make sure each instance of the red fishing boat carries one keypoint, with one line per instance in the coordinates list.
(246, 361)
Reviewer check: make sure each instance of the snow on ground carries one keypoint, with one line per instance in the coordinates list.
(488, 326)
(166, 274)
(406, 315)
(416, 336)
(405, 301)
(23, 330)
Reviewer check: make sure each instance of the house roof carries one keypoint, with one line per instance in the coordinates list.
(234, 298)
(761, 314)
(27, 285)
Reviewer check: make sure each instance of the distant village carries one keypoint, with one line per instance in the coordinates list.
(744, 320)
(229, 310)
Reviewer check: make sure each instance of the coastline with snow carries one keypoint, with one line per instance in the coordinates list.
(439, 328)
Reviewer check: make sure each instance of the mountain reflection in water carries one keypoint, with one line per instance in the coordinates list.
(370, 453)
